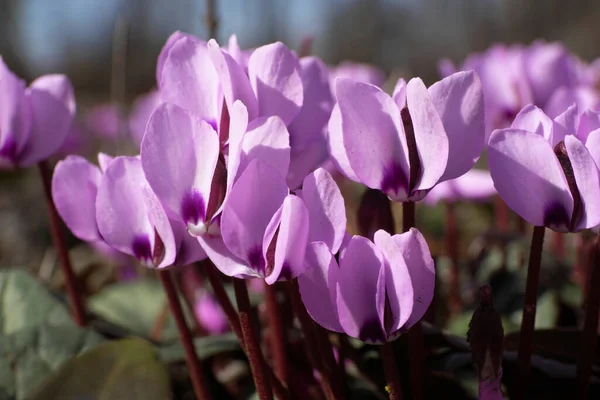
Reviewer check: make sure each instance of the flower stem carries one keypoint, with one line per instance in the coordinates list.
(390, 367)
(455, 303)
(528, 323)
(277, 334)
(77, 307)
(234, 322)
(211, 19)
(251, 343)
(196, 368)
(588, 341)
(416, 341)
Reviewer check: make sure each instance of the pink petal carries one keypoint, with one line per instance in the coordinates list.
(188, 248)
(532, 119)
(164, 52)
(224, 259)
(74, 188)
(267, 140)
(104, 160)
(276, 78)
(142, 109)
(326, 209)
(399, 94)
(336, 145)
(565, 124)
(528, 176)
(15, 117)
(589, 121)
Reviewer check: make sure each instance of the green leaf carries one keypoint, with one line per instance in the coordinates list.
(24, 303)
(28, 356)
(127, 369)
(134, 306)
(206, 347)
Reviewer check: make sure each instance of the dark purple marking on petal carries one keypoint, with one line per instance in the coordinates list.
(388, 318)
(394, 179)
(9, 150)
(256, 260)
(224, 124)
(413, 154)
(271, 254)
(371, 332)
(286, 273)
(563, 158)
(159, 249)
(142, 249)
(193, 208)
(218, 188)
(556, 216)
(212, 123)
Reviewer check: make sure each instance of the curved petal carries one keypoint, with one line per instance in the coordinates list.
(318, 287)
(548, 67)
(371, 128)
(234, 81)
(255, 197)
(267, 140)
(190, 80)
(564, 97)
(225, 260)
(458, 100)
(532, 119)
(326, 209)
(104, 160)
(399, 94)
(238, 125)
(475, 185)
(142, 109)
(430, 135)
(164, 52)
(188, 247)
(52, 110)
(529, 178)
(74, 188)
(291, 241)
(179, 155)
(360, 289)
(589, 121)
(593, 145)
(276, 78)
(360, 72)
(306, 161)
(588, 182)
(565, 124)
(421, 269)
(336, 146)
(130, 217)
(15, 116)
(399, 287)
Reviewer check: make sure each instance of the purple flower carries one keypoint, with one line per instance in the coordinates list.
(406, 144)
(210, 314)
(545, 169)
(103, 121)
(376, 292)
(584, 96)
(140, 113)
(34, 121)
(475, 185)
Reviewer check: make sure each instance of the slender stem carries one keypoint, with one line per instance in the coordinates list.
(331, 368)
(416, 341)
(390, 367)
(455, 303)
(160, 322)
(500, 214)
(251, 343)
(196, 368)
(277, 334)
(77, 306)
(211, 19)
(234, 322)
(528, 323)
(589, 341)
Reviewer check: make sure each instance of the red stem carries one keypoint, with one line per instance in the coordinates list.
(390, 367)
(455, 303)
(416, 341)
(528, 323)
(77, 307)
(589, 336)
(196, 368)
(277, 335)
(251, 342)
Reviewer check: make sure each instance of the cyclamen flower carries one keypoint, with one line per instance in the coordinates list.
(34, 121)
(358, 72)
(546, 170)
(206, 80)
(475, 185)
(406, 144)
(376, 292)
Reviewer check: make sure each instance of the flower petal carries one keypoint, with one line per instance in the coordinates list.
(142, 109)
(399, 94)
(421, 269)
(52, 110)
(326, 209)
(336, 145)
(238, 125)
(565, 124)
(267, 140)
(234, 81)
(291, 241)
(532, 119)
(589, 121)
(588, 182)
(475, 185)
(190, 80)
(188, 247)
(372, 129)
(130, 216)
(74, 188)
(255, 197)
(179, 155)
(430, 135)
(104, 160)
(15, 116)
(225, 260)
(164, 52)
(276, 78)
(318, 286)
(529, 178)
(360, 290)
(593, 145)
